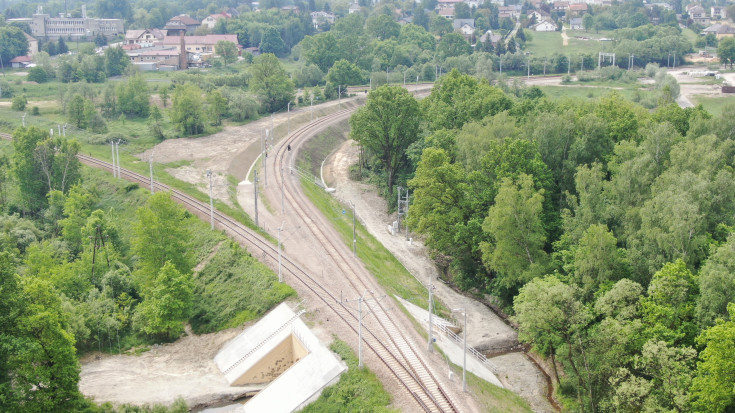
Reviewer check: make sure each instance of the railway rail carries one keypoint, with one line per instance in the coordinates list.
(391, 346)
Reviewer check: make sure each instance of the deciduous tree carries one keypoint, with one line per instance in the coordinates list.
(386, 126)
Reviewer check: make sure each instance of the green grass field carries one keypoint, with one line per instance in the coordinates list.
(591, 93)
(714, 105)
(548, 43)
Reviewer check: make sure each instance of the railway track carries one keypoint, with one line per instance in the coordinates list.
(433, 396)
(383, 337)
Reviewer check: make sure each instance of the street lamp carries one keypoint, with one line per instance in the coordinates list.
(464, 362)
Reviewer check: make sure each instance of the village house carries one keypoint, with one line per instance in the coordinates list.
(698, 15)
(20, 62)
(718, 12)
(544, 26)
(182, 23)
(720, 30)
(514, 11)
(466, 27)
(146, 37)
(32, 44)
(321, 17)
(447, 13)
(199, 44)
(576, 23)
(212, 19)
(354, 8)
(538, 15)
(560, 6)
(577, 9)
(492, 38)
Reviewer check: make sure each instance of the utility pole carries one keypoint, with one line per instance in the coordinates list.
(360, 300)
(404, 79)
(398, 206)
(464, 362)
(211, 203)
(23, 118)
(117, 152)
(431, 340)
(255, 191)
(354, 237)
(265, 162)
(280, 275)
(114, 169)
(150, 168)
(405, 218)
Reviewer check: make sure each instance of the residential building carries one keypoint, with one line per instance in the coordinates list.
(578, 9)
(321, 17)
(32, 44)
(576, 23)
(718, 12)
(447, 4)
(544, 26)
(513, 10)
(698, 15)
(182, 23)
(466, 27)
(560, 6)
(720, 30)
(354, 8)
(212, 19)
(492, 38)
(447, 13)
(199, 44)
(43, 25)
(21, 62)
(539, 15)
(143, 37)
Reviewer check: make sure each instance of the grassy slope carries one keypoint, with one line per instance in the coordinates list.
(358, 390)
(233, 287)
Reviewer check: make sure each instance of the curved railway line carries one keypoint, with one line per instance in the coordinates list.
(383, 337)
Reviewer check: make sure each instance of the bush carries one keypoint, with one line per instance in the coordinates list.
(35, 111)
(651, 69)
(37, 74)
(19, 103)
(566, 79)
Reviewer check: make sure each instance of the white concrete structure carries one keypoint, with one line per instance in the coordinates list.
(279, 349)
(451, 344)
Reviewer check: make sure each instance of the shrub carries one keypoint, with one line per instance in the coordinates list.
(37, 74)
(19, 103)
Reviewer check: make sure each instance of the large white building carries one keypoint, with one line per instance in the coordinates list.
(43, 25)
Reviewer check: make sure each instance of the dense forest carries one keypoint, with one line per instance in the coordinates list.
(603, 227)
(88, 263)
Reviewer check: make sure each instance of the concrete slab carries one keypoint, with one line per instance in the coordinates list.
(314, 365)
(453, 350)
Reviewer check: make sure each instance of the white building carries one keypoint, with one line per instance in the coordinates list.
(544, 26)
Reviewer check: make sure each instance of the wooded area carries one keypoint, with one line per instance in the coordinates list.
(605, 229)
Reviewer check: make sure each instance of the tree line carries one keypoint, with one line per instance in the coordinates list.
(603, 228)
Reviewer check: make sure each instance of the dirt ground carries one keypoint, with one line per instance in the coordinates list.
(183, 368)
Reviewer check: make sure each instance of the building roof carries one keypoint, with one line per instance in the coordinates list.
(168, 52)
(187, 20)
(720, 29)
(218, 16)
(21, 59)
(494, 38)
(208, 39)
(578, 7)
(458, 23)
(446, 12)
(577, 21)
(29, 37)
(561, 4)
(544, 22)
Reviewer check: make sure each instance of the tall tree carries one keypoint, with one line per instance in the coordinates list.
(227, 51)
(13, 43)
(712, 389)
(516, 253)
(115, 61)
(383, 27)
(270, 83)
(726, 51)
(272, 41)
(161, 235)
(386, 126)
(167, 303)
(187, 112)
